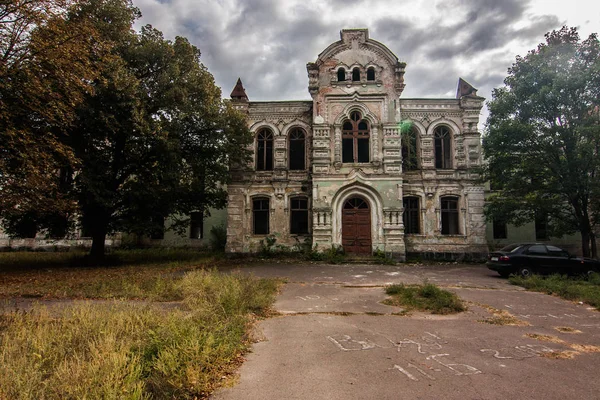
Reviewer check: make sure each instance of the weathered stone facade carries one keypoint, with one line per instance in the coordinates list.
(356, 185)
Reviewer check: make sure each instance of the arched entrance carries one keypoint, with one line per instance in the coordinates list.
(356, 226)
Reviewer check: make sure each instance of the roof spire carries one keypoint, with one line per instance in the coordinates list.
(465, 89)
(239, 93)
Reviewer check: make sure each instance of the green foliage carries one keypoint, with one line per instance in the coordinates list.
(383, 258)
(575, 289)
(543, 139)
(126, 351)
(427, 297)
(218, 237)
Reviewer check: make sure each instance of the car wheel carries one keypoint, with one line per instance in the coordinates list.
(524, 272)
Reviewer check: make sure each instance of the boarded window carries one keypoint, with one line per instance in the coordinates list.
(299, 215)
(449, 216)
(442, 147)
(371, 74)
(411, 215)
(409, 150)
(264, 150)
(196, 225)
(499, 228)
(341, 75)
(297, 150)
(356, 74)
(355, 139)
(260, 216)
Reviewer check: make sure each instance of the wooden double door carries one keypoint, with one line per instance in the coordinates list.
(356, 226)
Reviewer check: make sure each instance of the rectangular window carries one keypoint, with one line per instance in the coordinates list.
(411, 215)
(299, 216)
(363, 150)
(260, 216)
(348, 150)
(297, 155)
(196, 225)
(158, 231)
(541, 227)
(450, 216)
(499, 229)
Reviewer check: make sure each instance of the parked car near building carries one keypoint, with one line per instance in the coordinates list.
(525, 259)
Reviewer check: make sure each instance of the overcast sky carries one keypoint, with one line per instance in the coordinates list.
(268, 42)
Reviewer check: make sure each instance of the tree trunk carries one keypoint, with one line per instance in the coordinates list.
(98, 242)
(585, 243)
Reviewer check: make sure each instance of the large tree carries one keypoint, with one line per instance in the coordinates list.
(46, 69)
(543, 140)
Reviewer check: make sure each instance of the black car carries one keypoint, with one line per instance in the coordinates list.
(525, 259)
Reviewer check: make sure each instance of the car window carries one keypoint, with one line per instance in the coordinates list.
(538, 249)
(557, 251)
(511, 248)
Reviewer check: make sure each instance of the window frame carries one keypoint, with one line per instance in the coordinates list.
(295, 212)
(196, 225)
(446, 213)
(267, 138)
(499, 230)
(291, 140)
(356, 134)
(410, 149)
(411, 216)
(442, 135)
(264, 211)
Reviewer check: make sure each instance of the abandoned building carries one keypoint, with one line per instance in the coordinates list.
(360, 166)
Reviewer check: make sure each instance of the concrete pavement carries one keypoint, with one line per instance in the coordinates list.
(334, 340)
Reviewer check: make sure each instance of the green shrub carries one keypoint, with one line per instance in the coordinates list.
(218, 237)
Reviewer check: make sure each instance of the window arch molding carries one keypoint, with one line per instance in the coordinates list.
(362, 109)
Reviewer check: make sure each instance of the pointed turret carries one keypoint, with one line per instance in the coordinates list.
(239, 93)
(465, 89)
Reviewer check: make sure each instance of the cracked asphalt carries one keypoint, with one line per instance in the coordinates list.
(333, 339)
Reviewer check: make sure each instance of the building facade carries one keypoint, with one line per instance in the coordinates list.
(359, 166)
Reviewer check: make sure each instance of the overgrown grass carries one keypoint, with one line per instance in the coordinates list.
(133, 274)
(575, 289)
(123, 351)
(426, 297)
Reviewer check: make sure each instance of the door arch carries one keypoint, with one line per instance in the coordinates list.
(356, 226)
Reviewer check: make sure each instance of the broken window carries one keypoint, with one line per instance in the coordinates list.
(264, 150)
(299, 215)
(341, 75)
(297, 150)
(355, 139)
(449, 215)
(356, 74)
(260, 216)
(371, 74)
(442, 147)
(409, 150)
(411, 215)
(499, 228)
(196, 225)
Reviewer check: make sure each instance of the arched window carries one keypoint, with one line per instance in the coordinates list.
(298, 215)
(443, 149)
(449, 211)
(409, 150)
(341, 74)
(411, 215)
(297, 149)
(264, 150)
(260, 216)
(355, 139)
(355, 74)
(371, 74)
